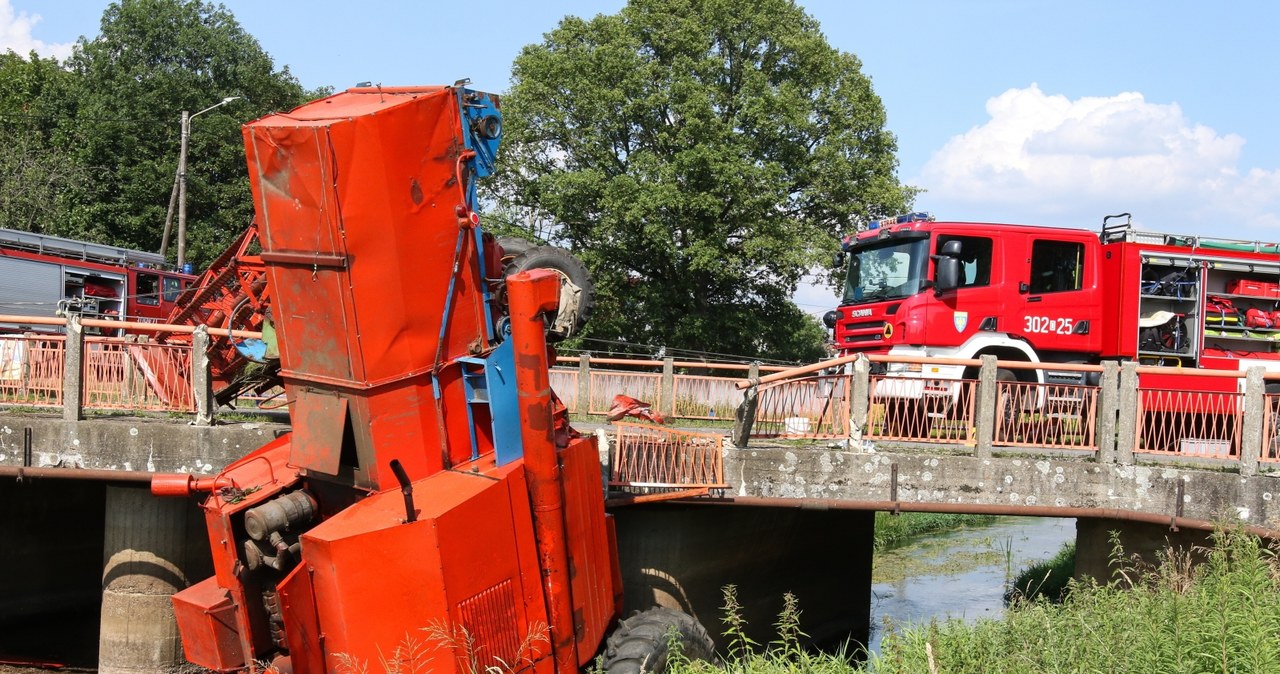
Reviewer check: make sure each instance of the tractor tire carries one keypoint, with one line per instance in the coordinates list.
(643, 642)
(514, 246)
(577, 292)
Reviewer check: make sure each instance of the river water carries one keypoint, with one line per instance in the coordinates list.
(959, 574)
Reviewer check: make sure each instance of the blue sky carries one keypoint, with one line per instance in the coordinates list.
(1053, 113)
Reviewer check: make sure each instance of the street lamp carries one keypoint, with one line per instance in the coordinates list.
(180, 186)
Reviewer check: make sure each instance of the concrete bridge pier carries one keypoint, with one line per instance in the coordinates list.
(1147, 542)
(681, 556)
(152, 548)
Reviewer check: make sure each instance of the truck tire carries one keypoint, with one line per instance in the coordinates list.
(513, 246)
(577, 293)
(643, 642)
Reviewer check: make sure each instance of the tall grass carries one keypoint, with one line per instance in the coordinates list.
(1048, 579)
(1219, 616)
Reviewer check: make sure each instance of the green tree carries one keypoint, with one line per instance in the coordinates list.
(152, 60)
(36, 169)
(700, 156)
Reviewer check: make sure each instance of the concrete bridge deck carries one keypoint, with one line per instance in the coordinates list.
(803, 521)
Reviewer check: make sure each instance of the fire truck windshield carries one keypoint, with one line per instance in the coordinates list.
(886, 269)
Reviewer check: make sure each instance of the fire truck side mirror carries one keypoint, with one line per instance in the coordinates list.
(948, 273)
(837, 260)
(947, 267)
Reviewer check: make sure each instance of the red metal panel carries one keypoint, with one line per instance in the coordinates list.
(302, 626)
(206, 619)
(394, 199)
(463, 545)
(376, 331)
(596, 594)
(318, 425)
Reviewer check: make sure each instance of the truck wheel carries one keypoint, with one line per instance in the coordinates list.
(644, 642)
(577, 293)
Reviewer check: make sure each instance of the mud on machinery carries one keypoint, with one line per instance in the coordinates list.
(429, 482)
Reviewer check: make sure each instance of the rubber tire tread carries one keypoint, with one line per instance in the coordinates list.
(640, 644)
(514, 246)
(561, 260)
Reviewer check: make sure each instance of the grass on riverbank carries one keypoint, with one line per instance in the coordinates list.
(1220, 616)
(1047, 580)
(894, 530)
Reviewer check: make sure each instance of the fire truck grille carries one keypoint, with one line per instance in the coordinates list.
(490, 620)
(864, 332)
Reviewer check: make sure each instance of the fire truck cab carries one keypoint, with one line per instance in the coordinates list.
(919, 287)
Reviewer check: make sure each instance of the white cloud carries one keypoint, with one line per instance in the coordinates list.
(1051, 160)
(15, 34)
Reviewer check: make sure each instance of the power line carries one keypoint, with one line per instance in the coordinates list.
(662, 351)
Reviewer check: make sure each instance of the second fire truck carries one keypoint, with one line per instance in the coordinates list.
(919, 287)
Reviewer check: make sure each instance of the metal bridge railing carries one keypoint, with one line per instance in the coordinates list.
(76, 372)
(31, 370)
(1046, 415)
(654, 460)
(1231, 419)
(815, 406)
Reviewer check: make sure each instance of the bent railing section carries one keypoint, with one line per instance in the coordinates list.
(664, 462)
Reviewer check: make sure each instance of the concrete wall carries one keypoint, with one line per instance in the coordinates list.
(56, 559)
(1007, 484)
(131, 444)
(1151, 543)
(682, 556)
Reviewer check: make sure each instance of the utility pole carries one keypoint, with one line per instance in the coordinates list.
(180, 186)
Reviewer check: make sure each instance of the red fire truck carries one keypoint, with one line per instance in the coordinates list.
(915, 286)
(42, 275)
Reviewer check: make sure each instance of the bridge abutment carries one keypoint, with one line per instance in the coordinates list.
(1150, 543)
(152, 548)
(681, 556)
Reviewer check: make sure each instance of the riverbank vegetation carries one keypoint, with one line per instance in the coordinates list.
(1048, 579)
(894, 530)
(1221, 615)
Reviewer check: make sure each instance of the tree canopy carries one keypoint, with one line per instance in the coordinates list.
(106, 126)
(701, 156)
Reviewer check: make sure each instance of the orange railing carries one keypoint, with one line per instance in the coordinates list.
(1207, 423)
(814, 406)
(645, 459)
(676, 389)
(921, 409)
(646, 386)
(31, 370)
(1189, 423)
(1271, 429)
(115, 373)
(121, 375)
(1046, 415)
